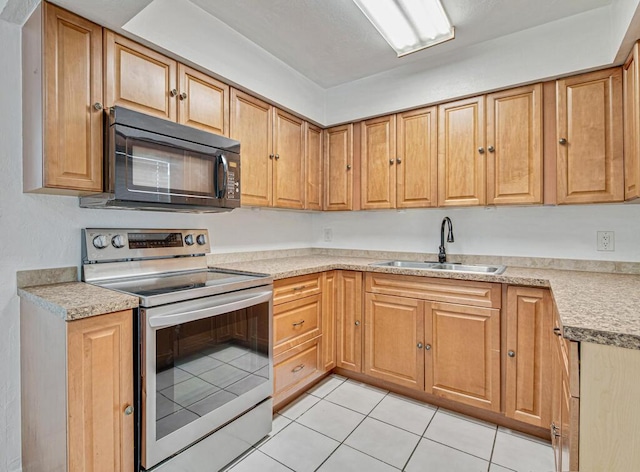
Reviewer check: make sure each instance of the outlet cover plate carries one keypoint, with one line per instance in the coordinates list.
(606, 241)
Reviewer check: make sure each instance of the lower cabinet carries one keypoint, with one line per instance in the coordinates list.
(76, 392)
(349, 320)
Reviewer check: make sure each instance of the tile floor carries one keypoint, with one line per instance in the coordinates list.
(344, 426)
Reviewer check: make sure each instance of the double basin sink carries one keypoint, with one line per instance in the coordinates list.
(445, 266)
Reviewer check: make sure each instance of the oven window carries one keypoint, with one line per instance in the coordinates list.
(155, 169)
(204, 364)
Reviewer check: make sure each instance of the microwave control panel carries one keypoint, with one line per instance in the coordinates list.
(233, 183)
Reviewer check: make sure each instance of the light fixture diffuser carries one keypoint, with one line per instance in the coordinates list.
(408, 25)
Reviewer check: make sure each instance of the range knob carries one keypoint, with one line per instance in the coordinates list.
(201, 239)
(188, 239)
(100, 241)
(118, 241)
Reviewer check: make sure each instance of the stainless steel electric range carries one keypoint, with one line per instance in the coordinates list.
(203, 356)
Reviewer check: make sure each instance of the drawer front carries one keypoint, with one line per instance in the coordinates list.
(295, 288)
(461, 292)
(296, 322)
(297, 365)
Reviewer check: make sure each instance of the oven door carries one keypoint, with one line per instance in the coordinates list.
(205, 362)
(162, 170)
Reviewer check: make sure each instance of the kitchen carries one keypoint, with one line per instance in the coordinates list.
(43, 231)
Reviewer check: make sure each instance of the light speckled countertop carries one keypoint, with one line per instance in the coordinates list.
(75, 300)
(593, 307)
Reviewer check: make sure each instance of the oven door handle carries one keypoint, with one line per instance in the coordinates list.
(173, 319)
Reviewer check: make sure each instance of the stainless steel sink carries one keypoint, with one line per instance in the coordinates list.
(465, 268)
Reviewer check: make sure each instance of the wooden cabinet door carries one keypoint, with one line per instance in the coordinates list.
(72, 84)
(514, 146)
(100, 388)
(288, 165)
(417, 159)
(461, 159)
(349, 320)
(393, 339)
(631, 96)
(556, 403)
(528, 361)
(251, 124)
(378, 158)
(338, 167)
(139, 78)
(329, 287)
(313, 167)
(590, 141)
(463, 354)
(203, 101)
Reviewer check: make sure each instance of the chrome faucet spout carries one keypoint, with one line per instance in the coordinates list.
(442, 253)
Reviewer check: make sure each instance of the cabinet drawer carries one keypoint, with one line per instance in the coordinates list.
(461, 292)
(296, 322)
(296, 365)
(294, 288)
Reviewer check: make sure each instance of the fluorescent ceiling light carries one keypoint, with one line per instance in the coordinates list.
(408, 25)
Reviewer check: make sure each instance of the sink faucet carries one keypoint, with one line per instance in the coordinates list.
(442, 255)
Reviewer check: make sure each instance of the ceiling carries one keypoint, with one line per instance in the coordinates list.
(330, 41)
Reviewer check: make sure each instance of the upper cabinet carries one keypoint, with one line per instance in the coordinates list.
(461, 163)
(631, 95)
(62, 102)
(313, 167)
(141, 79)
(514, 146)
(590, 138)
(339, 168)
(378, 158)
(272, 152)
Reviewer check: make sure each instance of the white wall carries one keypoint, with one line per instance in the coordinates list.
(567, 232)
(41, 231)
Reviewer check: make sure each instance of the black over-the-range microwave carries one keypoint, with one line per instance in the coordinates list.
(154, 164)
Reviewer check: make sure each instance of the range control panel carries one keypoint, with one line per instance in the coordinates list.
(108, 244)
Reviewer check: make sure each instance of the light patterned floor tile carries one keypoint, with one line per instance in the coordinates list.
(434, 457)
(498, 468)
(356, 397)
(330, 419)
(522, 455)
(326, 386)
(258, 461)
(299, 406)
(467, 436)
(346, 459)
(404, 413)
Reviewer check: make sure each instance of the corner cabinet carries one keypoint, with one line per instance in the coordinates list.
(339, 168)
(590, 138)
(314, 167)
(62, 102)
(349, 320)
(77, 392)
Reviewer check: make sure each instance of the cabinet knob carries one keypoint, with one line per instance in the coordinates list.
(481, 150)
(357, 323)
(427, 347)
(97, 106)
(348, 166)
(277, 156)
(563, 141)
(491, 149)
(398, 160)
(183, 96)
(128, 410)
(270, 156)
(557, 332)
(511, 354)
(419, 345)
(555, 431)
(392, 161)
(173, 92)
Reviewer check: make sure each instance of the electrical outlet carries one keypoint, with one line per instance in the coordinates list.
(606, 241)
(328, 234)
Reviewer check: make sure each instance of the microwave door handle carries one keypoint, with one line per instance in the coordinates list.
(225, 174)
(173, 319)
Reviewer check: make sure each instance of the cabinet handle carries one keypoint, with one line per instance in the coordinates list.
(348, 166)
(481, 150)
(183, 96)
(557, 332)
(357, 323)
(555, 431)
(173, 92)
(563, 141)
(97, 106)
(299, 323)
(392, 161)
(270, 156)
(511, 354)
(297, 368)
(419, 345)
(427, 347)
(398, 160)
(128, 410)
(295, 289)
(491, 149)
(277, 156)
